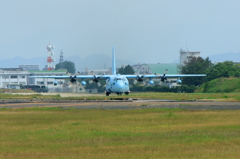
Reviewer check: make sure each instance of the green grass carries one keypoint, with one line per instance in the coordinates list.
(30, 96)
(221, 85)
(2, 90)
(141, 133)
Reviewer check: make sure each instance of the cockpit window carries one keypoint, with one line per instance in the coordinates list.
(116, 79)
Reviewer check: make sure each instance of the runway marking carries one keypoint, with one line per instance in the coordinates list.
(69, 105)
(37, 104)
(1, 105)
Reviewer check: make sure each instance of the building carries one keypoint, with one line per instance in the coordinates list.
(48, 82)
(186, 56)
(13, 76)
(95, 72)
(159, 68)
(30, 67)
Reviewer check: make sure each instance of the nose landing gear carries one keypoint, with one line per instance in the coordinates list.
(107, 93)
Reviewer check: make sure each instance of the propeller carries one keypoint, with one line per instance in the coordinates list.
(99, 84)
(162, 78)
(95, 80)
(134, 82)
(139, 78)
(68, 73)
(73, 79)
(160, 83)
(144, 83)
(90, 82)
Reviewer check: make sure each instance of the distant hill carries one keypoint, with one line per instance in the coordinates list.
(16, 61)
(98, 61)
(220, 85)
(92, 62)
(229, 56)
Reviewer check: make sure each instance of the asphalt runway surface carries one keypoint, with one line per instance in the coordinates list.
(120, 104)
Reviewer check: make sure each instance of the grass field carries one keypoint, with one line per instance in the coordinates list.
(231, 84)
(142, 133)
(2, 90)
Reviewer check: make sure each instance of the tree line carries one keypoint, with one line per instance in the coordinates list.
(68, 65)
(198, 65)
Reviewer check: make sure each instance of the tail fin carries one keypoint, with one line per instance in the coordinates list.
(113, 62)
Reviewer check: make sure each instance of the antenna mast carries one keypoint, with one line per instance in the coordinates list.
(50, 60)
(61, 60)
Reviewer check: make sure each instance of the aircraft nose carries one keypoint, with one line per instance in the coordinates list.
(121, 86)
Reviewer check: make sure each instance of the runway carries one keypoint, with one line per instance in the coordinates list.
(120, 104)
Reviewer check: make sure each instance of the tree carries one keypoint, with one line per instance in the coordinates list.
(223, 69)
(128, 70)
(197, 65)
(70, 66)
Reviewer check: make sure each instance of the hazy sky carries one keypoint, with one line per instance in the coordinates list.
(147, 31)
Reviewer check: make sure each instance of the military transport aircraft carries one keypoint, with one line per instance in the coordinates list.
(117, 83)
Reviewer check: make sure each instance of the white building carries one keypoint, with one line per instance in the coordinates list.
(186, 56)
(30, 67)
(13, 76)
(48, 82)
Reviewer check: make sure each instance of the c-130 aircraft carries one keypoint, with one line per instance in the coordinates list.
(117, 83)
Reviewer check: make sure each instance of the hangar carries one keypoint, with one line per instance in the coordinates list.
(156, 68)
(160, 69)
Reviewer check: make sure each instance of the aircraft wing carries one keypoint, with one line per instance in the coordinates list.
(166, 76)
(78, 77)
(127, 76)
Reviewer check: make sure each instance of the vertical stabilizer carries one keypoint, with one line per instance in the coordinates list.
(113, 62)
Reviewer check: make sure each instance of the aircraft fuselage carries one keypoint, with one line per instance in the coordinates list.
(117, 84)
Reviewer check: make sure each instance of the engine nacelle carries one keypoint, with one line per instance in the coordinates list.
(179, 81)
(151, 82)
(55, 83)
(83, 83)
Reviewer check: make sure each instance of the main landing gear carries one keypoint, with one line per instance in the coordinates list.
(107, 93)
(118, 93)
